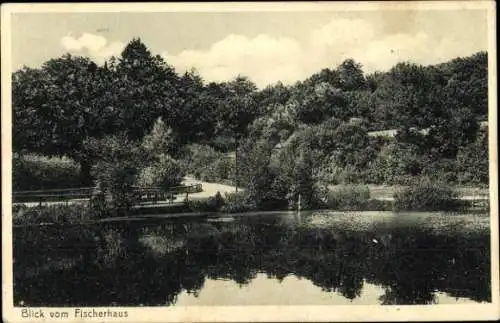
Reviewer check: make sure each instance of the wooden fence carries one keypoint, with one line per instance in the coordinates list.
(140, 194)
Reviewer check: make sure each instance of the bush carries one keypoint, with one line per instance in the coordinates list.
(441, 170)
(99, 207)
(116, 169)
(218, 171)
(207, 164)
(165, 173)
(33, 171)
(212, 204)
(198, 156)
(348, 197)
(237, 202)
(378, 205)
(426, 195)
(473, 161)
(116, 181)
(332, 174)
(161, 140)
(396, 163)
(224, 143)
(302, 181)
(59, 214)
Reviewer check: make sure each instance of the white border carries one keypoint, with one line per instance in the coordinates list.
(258, 313)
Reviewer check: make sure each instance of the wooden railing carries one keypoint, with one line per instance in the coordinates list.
(52, 195)
(141, 194)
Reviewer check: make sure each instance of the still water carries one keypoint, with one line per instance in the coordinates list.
(253, 260)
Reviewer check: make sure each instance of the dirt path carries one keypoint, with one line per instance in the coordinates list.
(209, 189)
(380, 192)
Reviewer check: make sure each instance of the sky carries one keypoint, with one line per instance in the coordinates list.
(265, 46)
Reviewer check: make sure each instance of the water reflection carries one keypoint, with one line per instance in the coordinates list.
(130, 264)
(291, 291)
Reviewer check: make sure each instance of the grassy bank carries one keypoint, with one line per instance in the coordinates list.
(34, 171)
(60, 214)
(386, 192)
(424, 196)
(80, 213)
(440, 222)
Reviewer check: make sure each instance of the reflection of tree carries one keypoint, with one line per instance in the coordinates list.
(411, 269)
(192, 277)
(417, 263)
(411, 264)
(468, 267)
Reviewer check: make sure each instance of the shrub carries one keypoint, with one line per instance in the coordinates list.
(165, 173)
(328, 173)
(237, 202)
(116, 181)
(212, 204)
(426, 195)
(160, 140)
(300, 177)
(116, 170)
(99, 206)
(33, 171)
(473, 161)
(217, 171)
(207, 164)
(333, 174)
(198, 156)
(348, 197)
(441, 170)
(59, 214)
(272, 196)
(396, 163)
(224, 143)
(377, 205)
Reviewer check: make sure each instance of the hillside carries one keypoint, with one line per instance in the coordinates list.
(335, 123)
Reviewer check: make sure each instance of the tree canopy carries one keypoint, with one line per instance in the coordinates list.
(69, 99)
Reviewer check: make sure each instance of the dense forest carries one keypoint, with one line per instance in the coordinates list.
(288, 139)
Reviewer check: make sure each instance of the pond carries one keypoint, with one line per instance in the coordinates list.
(279, 259)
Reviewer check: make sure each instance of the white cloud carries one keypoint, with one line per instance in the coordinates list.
(340, 33)
(95, 46)
(262, 58)
(267, 59)
(383, 53)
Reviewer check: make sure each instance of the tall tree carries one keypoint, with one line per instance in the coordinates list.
(272, 96)
(464, 102)
(350, 76)
(145, 88)
(195, 114)
(406, 97)
(237, 109)
(319, 102)
(56, 107)
(236, 112)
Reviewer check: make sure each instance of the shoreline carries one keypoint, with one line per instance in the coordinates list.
(328, 214)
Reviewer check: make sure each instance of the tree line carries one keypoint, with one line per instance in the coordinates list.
(316, 128)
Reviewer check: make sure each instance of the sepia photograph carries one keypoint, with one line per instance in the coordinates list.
(249, 162)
